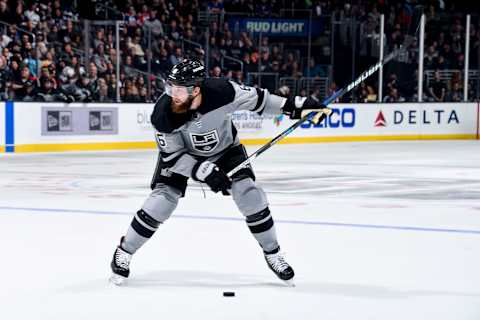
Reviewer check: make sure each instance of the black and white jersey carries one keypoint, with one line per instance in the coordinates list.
(208, 131)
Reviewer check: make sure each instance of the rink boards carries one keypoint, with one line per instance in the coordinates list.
(46, 127)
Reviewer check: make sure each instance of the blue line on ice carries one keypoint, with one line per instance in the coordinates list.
(301, 222)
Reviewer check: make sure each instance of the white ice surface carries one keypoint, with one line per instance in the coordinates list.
(386, 230)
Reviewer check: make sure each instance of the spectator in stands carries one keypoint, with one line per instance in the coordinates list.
(441, 64)
(456, 79)
(143, 95)
(275, 67)
(112, 84)
(19, 14)
(332, 89)
(287, 66)
(174, 32)
(102, 94)
(276, 54)
(53, 75)
(153, 23)
(162, 64)
(264, 47)
(371, 94)
(143, 15)
(44, 74)
(215, 6)
(30, 60)
(315, 95)
(30, 91)
(361, 93)
(235, 49)
(99, 38)
(32, 15)
(238, 77)
(248, 66)
(68, 89)
(47, 92)
(101, 59)
(265, 62)
(5, 14)
(93, 71)
(263, 8)
(128, 67)
(132, 93)
(392, 81)
(393, 96)
(3, 79)
(24, 82)
(122, 94)
(430, 57)
(459, 62)
(295, 69)
(137, 52)
(176, 57)
(455, 94)
(131, 16)
(216, 72)
(314, 70)
(437, 89)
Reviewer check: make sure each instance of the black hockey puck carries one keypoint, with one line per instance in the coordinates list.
(229, 294)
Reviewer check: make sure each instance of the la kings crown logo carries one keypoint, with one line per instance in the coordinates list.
(204, 142)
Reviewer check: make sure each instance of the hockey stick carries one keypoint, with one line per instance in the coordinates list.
(413, 28)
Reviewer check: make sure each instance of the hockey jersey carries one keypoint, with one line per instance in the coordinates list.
(207, 132)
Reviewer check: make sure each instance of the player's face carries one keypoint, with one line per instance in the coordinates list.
(179, 94)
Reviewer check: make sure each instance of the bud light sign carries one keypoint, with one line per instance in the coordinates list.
(340, 118)
(276, 27)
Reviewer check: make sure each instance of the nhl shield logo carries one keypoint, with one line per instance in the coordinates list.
(204, 142)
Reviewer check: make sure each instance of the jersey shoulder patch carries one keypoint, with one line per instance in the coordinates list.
(216, 92)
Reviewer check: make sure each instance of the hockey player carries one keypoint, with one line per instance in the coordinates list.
(197, 139)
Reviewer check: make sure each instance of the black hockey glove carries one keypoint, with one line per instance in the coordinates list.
(212, 175)
(298, 107)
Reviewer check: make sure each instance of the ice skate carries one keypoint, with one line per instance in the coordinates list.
(276, 262)
(120, 266)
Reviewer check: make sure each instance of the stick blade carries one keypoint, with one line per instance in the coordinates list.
(415, 22)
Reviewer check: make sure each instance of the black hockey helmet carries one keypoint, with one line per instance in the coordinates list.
(188, 73)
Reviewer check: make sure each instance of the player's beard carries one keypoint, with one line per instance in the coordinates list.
(182, 107)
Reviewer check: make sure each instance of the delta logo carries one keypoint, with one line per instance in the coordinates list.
(414, 117)
(380, 121)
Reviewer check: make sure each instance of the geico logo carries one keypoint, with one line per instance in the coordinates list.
(340, 118)
(425, 117)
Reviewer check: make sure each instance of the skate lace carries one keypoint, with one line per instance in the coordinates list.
(122, 259)
(277, 261)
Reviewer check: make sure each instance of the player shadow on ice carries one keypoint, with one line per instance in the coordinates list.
(201, 279)
(204, 279)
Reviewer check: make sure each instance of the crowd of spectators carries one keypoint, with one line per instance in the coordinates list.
(46, 55)
(444, 48)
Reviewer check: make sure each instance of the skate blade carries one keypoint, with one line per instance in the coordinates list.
(117, 279)
(289, 283)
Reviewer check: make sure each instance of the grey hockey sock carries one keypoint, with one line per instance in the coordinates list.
(141, 229)
(263, 229)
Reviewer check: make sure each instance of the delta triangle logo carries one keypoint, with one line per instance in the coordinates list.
(380, 121)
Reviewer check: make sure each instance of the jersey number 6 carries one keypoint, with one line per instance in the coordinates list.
(161, 140)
